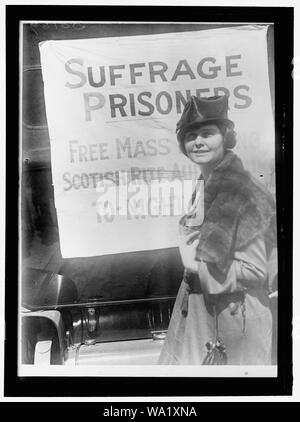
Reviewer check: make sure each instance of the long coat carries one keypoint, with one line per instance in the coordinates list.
(242, 317)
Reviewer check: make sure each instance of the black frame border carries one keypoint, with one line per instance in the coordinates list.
(283, 19)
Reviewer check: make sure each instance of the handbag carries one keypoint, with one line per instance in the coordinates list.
(216, 350)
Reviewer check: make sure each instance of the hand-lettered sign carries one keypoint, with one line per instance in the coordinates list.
(112, 105)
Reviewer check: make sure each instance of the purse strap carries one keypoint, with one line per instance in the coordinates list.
(216, 322)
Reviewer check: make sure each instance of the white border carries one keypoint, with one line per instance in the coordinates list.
(159, 371)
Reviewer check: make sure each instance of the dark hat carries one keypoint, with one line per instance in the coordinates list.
(198, 111)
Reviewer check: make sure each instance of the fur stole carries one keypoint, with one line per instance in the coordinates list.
(237, 209)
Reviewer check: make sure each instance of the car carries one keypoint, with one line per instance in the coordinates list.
(60, 328)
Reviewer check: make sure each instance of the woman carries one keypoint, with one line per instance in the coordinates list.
(222, 308)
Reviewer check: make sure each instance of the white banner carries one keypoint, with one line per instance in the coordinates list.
(112, 105)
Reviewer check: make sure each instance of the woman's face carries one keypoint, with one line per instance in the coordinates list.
(204, 144)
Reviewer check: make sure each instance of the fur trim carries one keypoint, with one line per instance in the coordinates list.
(237, 210)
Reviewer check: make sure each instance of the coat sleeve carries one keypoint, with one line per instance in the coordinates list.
(248, 270)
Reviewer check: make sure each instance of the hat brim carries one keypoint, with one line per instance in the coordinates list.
(194, 124)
